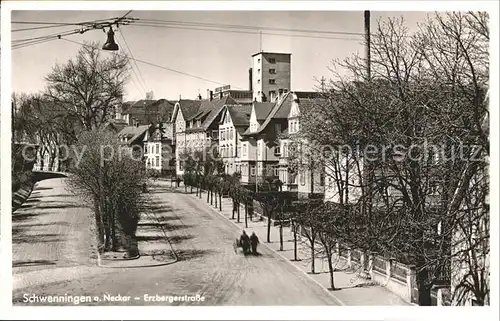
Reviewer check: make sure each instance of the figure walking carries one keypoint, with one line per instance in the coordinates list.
(254, 240)
(245, 243)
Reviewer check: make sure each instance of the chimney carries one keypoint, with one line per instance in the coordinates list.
(211, 97)
(250, 85)
(199, 96)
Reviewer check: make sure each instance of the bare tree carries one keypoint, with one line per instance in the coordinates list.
(88, 88)
(111, 180)
(427, 89)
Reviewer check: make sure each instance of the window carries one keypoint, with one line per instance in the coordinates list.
(277, 150)
(272, 60)
(252, 170)
(258, 61)
(145, 148)
(276, 171)
(157, 148)
(157, 161)
(258, 70)
(272, 71)
(277, 128)
(245, 149)
(322, 179)
(297, 128)
(272, 81)
(258, 81)
(231, 134)
(238, 151)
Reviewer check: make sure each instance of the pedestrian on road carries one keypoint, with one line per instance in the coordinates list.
(245, 242)
(254, 240)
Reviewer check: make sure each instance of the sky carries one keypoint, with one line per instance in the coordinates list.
(222, 57)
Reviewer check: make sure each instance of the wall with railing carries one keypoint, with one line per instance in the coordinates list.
(396, 277)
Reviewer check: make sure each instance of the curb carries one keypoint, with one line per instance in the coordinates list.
(175, 260)
(134, 266)
(285, 259)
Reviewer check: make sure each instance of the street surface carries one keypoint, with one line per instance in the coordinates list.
(58, 239)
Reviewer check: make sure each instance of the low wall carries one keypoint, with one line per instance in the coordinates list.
(396, 277)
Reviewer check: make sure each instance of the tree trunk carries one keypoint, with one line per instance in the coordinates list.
(246, 214)
(211, 197)
(208, 196)
(220, 201)
(119, 237)
(424, 291)
(313, 252)
(330, 270)
(191, 187)
(234, 209)
(295, 257)
(281, 236)
(238, 210)
(215, 199)
(268, 226)
(99, 226)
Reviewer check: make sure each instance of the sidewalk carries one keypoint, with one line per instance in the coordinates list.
(354, 290)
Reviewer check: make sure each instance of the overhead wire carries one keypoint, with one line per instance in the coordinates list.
(241, 32)
(141, 88)
(158, 66)
(47, 25)
(133, 59)
(219, 25)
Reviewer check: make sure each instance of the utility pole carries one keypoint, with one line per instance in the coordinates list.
(367, 45)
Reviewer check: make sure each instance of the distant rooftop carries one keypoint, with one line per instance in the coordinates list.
(273, 53)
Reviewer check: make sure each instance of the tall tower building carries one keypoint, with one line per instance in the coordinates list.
(271, 72)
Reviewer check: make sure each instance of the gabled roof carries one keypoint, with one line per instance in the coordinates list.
(189, 107)
(136, 107)
(132, 133)
(240, 114)
(262, 110)
(215, 107)
(279, 111)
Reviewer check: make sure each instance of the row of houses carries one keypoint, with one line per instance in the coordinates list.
(249, 129)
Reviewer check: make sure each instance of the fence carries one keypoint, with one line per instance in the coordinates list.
(396, 277)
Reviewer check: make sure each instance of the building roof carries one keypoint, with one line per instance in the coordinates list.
(132, 107)
(274, 53)
(189, 107)
(307, 94)
(240, 114)
(279, 111)
(207, 112)
(132, 133)
(215, 106)
(262, 110)
(148, 111)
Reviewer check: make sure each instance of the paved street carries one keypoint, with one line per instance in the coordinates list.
(203, 240)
